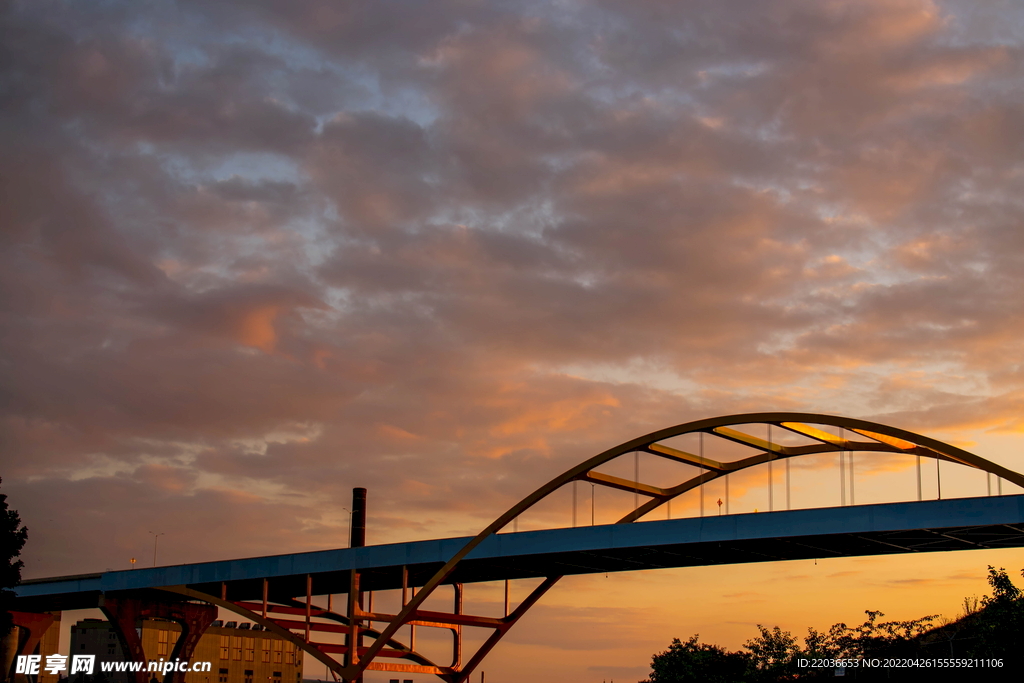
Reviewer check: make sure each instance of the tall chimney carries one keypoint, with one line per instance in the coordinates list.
(358, 532)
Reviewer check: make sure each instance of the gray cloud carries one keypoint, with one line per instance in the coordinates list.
(254, 254)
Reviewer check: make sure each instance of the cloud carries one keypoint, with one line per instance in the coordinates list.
(201, 251)
(254, 254)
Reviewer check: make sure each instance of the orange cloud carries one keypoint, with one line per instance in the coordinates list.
(256, 328)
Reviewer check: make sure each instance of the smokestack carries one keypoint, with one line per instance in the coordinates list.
(358, 532)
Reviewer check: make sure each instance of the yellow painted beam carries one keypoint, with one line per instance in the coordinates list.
(624, 484)
(688, 458)
(748, 440)
(885, 438)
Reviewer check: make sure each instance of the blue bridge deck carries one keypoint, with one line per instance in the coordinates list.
(929, 526)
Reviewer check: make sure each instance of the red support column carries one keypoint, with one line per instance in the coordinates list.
(194, 620)
(353, 640)
(457, 628)
(28, 630)
(35, 625)
(126, 613)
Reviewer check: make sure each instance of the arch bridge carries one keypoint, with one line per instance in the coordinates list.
(278, 592)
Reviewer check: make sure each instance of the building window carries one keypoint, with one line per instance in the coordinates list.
(277, 652)
(223, 673)
(248, 676)
(250, 649)
(289, 653)
(225, 645)
(161, 643)
(236, 645)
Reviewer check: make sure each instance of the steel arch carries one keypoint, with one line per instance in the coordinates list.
(881, 438)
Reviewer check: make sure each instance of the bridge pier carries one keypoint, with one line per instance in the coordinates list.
(23, 639)
(125, 613)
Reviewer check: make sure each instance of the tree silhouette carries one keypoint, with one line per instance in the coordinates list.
(12, 540)
(695, 661)
(989, 629)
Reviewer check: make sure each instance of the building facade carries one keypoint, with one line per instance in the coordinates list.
(238, 653)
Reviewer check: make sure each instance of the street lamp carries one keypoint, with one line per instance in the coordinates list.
(156, 537)
(349, 526)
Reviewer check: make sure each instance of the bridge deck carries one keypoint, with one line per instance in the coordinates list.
(929, 526)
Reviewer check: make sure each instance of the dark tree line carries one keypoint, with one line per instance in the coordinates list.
(990, 628)
(12, 540)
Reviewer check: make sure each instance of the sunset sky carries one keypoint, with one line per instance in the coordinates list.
(253, 254)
